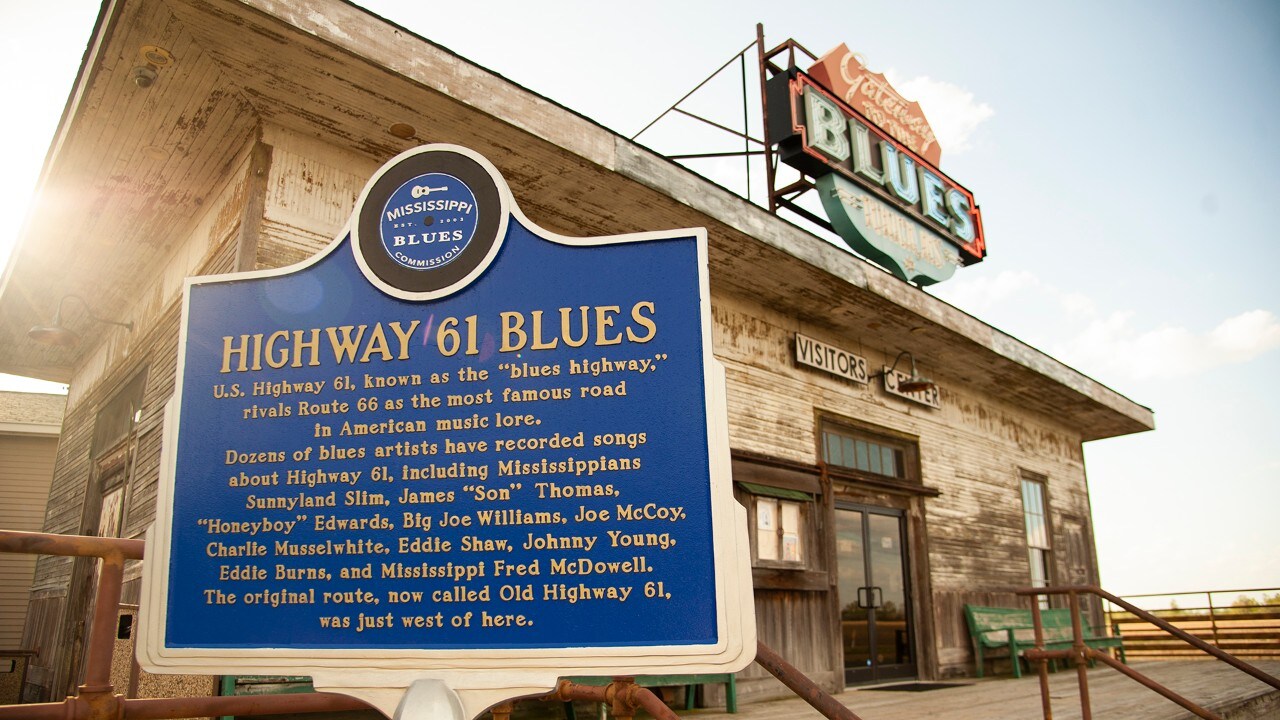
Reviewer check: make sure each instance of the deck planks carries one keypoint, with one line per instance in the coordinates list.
(1217, 686)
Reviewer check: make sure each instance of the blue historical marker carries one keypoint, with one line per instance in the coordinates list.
(449, 432)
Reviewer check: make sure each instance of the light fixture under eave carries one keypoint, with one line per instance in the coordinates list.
(155, 55)
(59, 335)
(144, 76)
(916, 382)
(404, 131)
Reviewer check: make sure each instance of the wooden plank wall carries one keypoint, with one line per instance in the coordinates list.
(972, 451)
(54, 622)
(25, 474)
(307, 206)
(309, 197)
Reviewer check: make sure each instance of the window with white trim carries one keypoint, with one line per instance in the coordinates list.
(1035, 516)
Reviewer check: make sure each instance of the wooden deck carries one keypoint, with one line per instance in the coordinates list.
(1214, 685)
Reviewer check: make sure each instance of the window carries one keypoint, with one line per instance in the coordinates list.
(783, 522)
(1036, 517)
(113, 450)
(119, 416)
(867, 453)
(778, 530)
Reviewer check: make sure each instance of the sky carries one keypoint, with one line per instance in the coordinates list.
(1124, 155)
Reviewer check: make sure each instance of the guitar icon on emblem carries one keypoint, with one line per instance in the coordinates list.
(423, 190)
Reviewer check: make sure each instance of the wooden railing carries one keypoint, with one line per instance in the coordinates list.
(1245, 623)
(1081, 654)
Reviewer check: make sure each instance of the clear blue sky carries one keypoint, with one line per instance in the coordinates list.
(1124, 155)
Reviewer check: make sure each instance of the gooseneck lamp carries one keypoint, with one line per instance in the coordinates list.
(59, 335)
(916, 382)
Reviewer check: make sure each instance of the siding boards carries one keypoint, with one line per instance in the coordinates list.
(26, 469)
(309, 197)
(73, 502)
(798, 626)
(145, 177)
(971, 452)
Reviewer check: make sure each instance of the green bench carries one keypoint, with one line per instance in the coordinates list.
(1011, 629)
(689, 681)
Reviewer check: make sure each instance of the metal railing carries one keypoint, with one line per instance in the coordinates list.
(1081, 655)
(1245, 623)
(96, 698)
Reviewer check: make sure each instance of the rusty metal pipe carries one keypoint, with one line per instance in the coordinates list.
(801, 685)
(1152, 684)
(16, 541)
(1145, 616)
(1227, 658)
(1042, 667)
(645, 698)
(568, 690)
(1081, 655)
(97, 674)
(1136, 676)
(97, 700)
(74, 708)
(631, 694)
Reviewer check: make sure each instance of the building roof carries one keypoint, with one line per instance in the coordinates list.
(31, 413)
(130, 168)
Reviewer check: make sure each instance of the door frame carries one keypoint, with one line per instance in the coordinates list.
(909, 493)
(877, 672)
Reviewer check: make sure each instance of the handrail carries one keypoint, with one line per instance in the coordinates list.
(1205, 592)
(96, 698)
(1081, 654)
(1227, 624)
(1189, 638)
(801, 685)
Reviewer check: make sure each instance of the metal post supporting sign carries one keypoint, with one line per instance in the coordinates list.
(450, 447)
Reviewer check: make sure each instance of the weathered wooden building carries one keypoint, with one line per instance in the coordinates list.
(29, 425)
(209, 136)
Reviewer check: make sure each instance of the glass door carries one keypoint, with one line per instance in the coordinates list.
(874, 597)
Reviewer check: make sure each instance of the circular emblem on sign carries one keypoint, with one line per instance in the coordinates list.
(429, 222)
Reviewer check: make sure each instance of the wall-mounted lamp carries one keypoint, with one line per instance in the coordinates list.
(59, 335)
(916, 382)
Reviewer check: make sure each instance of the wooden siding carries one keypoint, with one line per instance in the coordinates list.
(798, 626)
(971, 452)
(73, 499)
(143, 177)
(329, 72)
(26, 469)
(43, 634)
(309, 196)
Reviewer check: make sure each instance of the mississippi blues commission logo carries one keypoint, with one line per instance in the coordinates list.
(430, 222)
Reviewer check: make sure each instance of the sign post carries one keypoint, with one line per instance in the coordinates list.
(451, 447)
